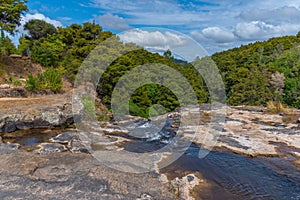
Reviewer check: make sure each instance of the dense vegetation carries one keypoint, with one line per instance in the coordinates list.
(10, 14)
(264, 71)
(254, 74)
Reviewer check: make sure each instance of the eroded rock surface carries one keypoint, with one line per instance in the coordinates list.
(66, 175)
(248, 132)
(22, 113)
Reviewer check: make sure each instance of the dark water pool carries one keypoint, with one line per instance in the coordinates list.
(234, 176)
(30, 138)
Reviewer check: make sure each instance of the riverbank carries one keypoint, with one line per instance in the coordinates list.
(249, 131)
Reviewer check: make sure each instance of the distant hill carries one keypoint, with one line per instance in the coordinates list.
(263, 71)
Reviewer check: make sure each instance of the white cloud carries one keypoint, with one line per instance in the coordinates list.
(64, 19)
(153, 39)
(258, 30)
(40, 16)
(283, 14)
(218, 35)
(29, 17)
(152, 12)
(113, 21)
(217, 23)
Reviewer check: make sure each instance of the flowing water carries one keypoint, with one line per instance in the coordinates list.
(232, 176)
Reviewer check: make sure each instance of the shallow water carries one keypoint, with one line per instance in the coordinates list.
(232, 176)
(30, 138)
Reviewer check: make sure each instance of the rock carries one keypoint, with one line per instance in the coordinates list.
(72, 141)
(48, 148)
(55, 173)
(145, 197)
(72, 176)
(4, 86)
(14, 92)
(10, 127)
(46, 112)
(247, 131)
(182, 187)
(65, 137)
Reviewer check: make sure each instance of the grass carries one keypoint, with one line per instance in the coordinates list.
(275, 107)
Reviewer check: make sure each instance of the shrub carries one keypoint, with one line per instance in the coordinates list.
(89, 106)
(275, 107)
(17, 83)
(31, 83)
(50, 79)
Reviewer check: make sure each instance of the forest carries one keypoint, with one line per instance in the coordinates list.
(253, 74)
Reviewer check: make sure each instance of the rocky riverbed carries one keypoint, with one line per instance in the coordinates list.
(57, 175)
(58, 162)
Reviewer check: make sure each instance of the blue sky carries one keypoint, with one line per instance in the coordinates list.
(217, 24)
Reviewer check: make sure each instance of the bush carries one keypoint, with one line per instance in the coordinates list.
(89, 106)
(50, 79)
(31, 83)
(17, 83)
(275, 107)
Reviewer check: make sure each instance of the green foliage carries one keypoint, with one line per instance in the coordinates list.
(48, 52)
(6, 45)
(17, 83)
(24, 46)
(253, 74)
(50, 79)
(89, 106)
(10, 14)
(152, 94)
(64, 48)
(249, 72)
(39, 29)
(31, 83)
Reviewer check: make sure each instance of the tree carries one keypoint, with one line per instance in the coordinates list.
(10, 14)
(48, 52)
(39, 29)
(6, 45)
(168, 55)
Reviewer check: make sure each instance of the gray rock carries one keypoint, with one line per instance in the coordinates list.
(48, 148)
(72, 176)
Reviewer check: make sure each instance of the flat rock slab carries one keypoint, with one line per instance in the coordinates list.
(66, 175)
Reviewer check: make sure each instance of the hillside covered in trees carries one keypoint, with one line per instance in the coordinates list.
(261, 72)
(254, 74)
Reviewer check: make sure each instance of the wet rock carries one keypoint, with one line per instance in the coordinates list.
(183, 186)
(231, 142)
(9, 148)
(10, 127)
(72, 176)
(48, 148)
(65, 137)
(145, 197)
